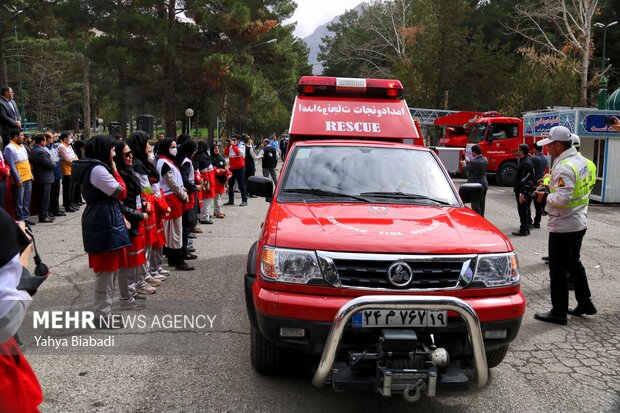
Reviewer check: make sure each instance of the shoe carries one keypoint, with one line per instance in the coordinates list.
(75, 206)
(208, 222)
(243, 204)
(190, 256)
(158, 276)
(163, 272)
(192, 236)
(58, 214)
(549, 317)
(29, 222)
(229, 203)
(191, 249)
(139, 296)
(580, 310)
(197, 230)
(521, 233)
(537, 226)
(220, 216)
(252, 196)
(146, 289)
(46, 220)
(71, 209)
(183, 266)
(152, 282)
(545, 258)
(132, 305)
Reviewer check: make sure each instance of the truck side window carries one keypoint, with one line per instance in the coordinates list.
(505, 131)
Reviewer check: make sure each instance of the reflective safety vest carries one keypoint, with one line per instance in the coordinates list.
(585, 178)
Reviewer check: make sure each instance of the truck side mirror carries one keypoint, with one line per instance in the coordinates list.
(470, 193)
(260, 186)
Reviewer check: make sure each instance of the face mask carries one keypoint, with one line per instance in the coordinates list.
(173, 151)
(151, 157)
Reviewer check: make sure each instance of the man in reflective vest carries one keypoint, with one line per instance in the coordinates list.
(567, 208)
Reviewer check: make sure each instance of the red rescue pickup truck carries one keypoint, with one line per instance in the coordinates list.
(368, 261)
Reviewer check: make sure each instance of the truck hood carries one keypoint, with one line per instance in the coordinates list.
(411, 229)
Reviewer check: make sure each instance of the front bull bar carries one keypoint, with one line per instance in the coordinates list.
(389, 302)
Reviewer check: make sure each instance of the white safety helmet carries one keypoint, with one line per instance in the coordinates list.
(576, 140)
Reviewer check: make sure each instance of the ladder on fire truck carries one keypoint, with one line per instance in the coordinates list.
(428, 116)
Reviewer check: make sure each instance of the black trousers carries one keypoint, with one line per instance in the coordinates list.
(44, 199)
(479, 205)
(539, 211)
(67, 191)
(565, 261)
(2, 191)
(54, 197)
(189, 221)
(525, 214)
(238, 175)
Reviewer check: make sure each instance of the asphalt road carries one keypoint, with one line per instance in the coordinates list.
(574, 368)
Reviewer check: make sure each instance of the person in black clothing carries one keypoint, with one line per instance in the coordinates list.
(539, 160)
(190, 216)
(43, 169)
(78, 147)
(525, 176)
(250, 163)
(477, 174)
(269, 157)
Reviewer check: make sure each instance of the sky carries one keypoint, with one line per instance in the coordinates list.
(312, 13)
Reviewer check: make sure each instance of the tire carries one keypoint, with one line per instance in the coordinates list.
(506, 174)
(265, 355)
(495, 357)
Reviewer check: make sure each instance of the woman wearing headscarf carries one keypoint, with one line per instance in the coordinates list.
(190, 216)
(220, 177)
(78, 147)
(171, 183)
(104, 230)
(134, 209)
(203, 161)
(147, 173)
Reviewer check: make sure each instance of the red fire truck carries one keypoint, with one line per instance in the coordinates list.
(368, 264)
(499, 138)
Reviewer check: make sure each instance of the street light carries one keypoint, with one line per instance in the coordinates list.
(189, 113)
(260, 44)
(605, 27)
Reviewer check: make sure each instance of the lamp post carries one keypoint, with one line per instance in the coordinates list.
(605, 27)
(189, 113)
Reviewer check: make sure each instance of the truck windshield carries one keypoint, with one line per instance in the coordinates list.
(370, 174)
(477, 133)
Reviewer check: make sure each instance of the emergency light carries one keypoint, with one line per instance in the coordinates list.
(351, 87)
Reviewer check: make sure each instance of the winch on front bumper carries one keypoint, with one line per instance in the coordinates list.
(401, 363)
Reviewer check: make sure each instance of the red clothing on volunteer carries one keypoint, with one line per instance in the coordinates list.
(20, 391)
(236, 160)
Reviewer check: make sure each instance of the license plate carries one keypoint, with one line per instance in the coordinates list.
(400, 318)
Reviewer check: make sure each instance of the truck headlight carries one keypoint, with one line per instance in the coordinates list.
(497, 270)
(290, 266)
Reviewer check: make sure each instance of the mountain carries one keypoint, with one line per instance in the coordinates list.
(314, 40)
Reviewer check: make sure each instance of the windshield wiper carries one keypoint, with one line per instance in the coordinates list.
(323, 193)
(403, 195)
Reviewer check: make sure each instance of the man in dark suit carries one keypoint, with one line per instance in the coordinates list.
(10, 117)
(477, 174)
(43, 171)
(525, 176)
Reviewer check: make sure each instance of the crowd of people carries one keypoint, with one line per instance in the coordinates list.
(143, 203)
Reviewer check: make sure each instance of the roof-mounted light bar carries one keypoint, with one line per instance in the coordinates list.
(349, 87)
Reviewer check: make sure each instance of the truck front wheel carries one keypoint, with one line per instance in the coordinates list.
(265, 355)
(495, 357)
(507, 174)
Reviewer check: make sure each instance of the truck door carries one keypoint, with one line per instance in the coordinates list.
(501, 143)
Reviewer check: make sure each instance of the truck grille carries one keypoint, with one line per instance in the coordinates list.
(370, 270)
